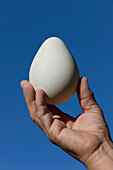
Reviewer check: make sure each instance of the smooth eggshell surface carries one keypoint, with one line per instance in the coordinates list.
(55, 71)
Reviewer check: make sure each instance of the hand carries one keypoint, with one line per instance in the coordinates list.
(81, 137)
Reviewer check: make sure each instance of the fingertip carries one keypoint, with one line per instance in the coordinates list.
(41, 94)
(28, 91)
(23, 82)
(83, 83)
(40, 97)
(85, 80)
(26, 85)
(83, 89)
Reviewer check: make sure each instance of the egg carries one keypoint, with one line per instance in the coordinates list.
(55, 71)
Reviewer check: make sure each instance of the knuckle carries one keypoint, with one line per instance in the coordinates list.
(33, 116)
(50, 137)
(53, 135)
(42, 111)
(52, 140)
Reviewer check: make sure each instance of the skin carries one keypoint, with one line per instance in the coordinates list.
(86, 137)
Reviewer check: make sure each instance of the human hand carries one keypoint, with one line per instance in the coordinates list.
(85, 137)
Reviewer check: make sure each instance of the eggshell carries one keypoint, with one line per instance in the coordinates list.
(55, 71)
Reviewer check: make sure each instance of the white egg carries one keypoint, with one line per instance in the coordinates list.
(55, 71)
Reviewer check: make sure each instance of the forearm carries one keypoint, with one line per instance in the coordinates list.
(102, 159)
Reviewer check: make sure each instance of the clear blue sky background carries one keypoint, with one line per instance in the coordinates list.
(86, 26)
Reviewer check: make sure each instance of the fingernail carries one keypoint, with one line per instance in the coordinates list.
(22, 84)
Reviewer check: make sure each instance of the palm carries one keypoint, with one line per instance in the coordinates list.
(88, 128)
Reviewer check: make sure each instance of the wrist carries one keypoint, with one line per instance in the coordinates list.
(102, 158)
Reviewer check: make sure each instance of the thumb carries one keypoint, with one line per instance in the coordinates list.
(86, 97)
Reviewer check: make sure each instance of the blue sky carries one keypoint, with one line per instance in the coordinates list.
(87, 29)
